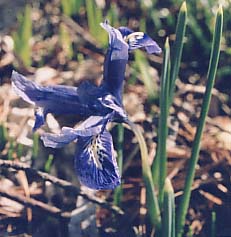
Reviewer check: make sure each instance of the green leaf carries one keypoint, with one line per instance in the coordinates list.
(214, 58)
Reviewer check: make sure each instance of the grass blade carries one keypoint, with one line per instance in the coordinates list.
(3, 136)
(177, 48)
(214, 57)
(48, 163)
(35, 147)
(159, 165)
(213, 224)
(144, 69)
(23, 36)
(168, 210)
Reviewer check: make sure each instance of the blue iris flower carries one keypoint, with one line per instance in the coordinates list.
(95, 161)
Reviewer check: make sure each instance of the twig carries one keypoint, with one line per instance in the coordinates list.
(185, 88)
(61, 183)
(30, 202)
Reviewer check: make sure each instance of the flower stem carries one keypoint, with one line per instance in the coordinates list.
(152, 201)
(120, 140)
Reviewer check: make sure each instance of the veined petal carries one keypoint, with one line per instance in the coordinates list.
(95, 162)
(50, 99)
(137, 40)
(90, 127)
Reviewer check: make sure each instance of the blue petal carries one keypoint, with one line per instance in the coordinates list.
(115, 62)
(90, 127)
(137, 40)
(95, 162)
(110, 101)
(125, 31)
(66, 136)
(53, 99)
(114, 74)
(118, 47)
(39, 118)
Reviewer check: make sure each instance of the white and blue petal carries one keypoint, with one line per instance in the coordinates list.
(95, 162)
(110, 102)
(137, 40)
(90, 127)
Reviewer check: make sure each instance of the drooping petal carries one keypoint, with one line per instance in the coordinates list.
(50, 99)
(90, 127)
(137, 40)
(55, 99)
(95, 162)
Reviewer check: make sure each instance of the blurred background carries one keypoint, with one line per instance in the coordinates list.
(61, 42)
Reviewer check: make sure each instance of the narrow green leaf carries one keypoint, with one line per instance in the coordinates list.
(48, 163)
(11, 150)
(177, 49)
(168, 210)
(144, 69)
(35, 148)
(23, 35)
(160, 161)
(214, 58)
(65, 41)
(3, 136)
(213, 224)
(66, 7)
(163, 120)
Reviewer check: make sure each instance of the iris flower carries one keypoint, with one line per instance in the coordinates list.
(95, 161)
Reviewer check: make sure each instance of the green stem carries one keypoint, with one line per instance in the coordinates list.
(120, 140)
(152, 201)
(205, 106)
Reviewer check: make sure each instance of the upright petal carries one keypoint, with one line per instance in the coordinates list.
(115, 62)
(117, 45)
(95, 162)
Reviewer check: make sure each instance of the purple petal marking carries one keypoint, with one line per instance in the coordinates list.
(95, 162)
